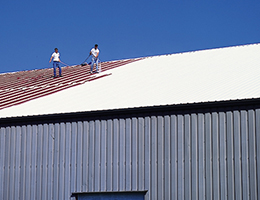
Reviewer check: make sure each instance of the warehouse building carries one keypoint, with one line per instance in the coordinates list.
(179, 126)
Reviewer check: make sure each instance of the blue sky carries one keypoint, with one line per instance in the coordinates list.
(30, 30)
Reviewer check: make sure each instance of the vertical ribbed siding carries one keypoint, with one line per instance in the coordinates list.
(193, 156)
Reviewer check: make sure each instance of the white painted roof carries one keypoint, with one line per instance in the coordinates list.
(208, 75)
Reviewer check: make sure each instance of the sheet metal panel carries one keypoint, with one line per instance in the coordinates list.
(201, 156)
(258, 149)
(252, 154)
(215, 156)
(17, 162)
(91, 157)
(141, 155)
(208, 155)
(222, 155)
(39, 160)
(244, 153)
(147, 159)
(2, 155)
(115, 156)
(128, 145)
(50, 151)
(134, 154)
(122, 171)
(192, 156)
(96, 157)
(23, 163)
(79, 141)
(230, 158)
(154, 156)
(12, 161)
(180, 157)
(109, 182)
(167, 157)
(160, 157)
(28, 164)
(237, 155)
(187, 158)
(103, 173)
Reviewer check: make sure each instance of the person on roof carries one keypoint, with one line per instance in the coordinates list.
(94, 52)
(56, 62)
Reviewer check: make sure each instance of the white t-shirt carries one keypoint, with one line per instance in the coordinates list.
(55, 56)
(94, 52)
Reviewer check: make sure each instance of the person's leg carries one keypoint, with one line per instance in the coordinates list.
(92, 64)
(54, 68)
(97, 65)
(58, 65)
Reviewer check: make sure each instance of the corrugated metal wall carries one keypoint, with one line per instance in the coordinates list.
(184, 156)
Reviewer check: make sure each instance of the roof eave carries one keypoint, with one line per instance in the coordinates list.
(182, 109)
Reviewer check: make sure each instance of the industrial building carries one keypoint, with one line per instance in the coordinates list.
(173, 127)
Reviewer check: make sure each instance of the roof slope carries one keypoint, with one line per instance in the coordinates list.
(20, 87)
(209, 75)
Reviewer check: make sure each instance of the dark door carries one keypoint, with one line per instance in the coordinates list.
(112, 196)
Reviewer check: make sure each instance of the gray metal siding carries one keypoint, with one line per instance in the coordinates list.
(192, 156)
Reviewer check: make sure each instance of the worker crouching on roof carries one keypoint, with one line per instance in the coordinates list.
(56, 62)
(94, 52)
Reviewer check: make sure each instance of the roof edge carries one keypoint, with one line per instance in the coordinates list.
(182, 109)
(149, 56)
(200, 50)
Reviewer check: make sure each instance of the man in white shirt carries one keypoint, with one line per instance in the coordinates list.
(56, 62)
(94, 52)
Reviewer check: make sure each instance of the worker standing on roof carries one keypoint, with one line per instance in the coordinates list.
(56, 62)
(94, 52)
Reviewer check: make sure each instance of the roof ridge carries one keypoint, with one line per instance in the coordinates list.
(200, 50)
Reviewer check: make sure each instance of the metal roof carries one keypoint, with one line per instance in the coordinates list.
(223, 74)
(20, 87)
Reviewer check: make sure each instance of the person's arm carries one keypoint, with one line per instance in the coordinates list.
(97, 54)
(90, 53)
(50, 59)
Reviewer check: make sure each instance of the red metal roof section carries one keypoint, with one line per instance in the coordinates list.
(23, 86)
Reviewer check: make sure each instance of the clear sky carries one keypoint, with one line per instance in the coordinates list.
(31, 29)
